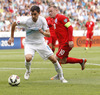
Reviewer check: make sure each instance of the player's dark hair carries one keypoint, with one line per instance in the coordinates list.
(35, 8)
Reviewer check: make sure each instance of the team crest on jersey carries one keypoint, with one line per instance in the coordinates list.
(18, 22)
(56, 20)
(65, 20)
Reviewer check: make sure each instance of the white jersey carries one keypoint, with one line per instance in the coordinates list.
(32, 29)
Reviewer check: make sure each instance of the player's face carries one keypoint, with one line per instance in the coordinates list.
(89, 19)
(52, 12)
(34, 15)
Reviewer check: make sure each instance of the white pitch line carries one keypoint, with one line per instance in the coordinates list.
(33, 62)
(3, 69)
(46, 81)
(93, 64)
(22, 68)
(11, 52)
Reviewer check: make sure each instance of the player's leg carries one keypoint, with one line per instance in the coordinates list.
(61, 58)
(58, 68)
(28, 59)
(29, 53)
(63, 52)
(72, 60)
(87, 41)
(46, 53)
(90, 44)
(54, 39)
(56, 77)
(91, 37)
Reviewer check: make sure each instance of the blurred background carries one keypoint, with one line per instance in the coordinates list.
(77, 10)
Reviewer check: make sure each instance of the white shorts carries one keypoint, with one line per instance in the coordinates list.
(43, 49)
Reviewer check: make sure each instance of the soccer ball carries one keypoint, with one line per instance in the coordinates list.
(14, 80)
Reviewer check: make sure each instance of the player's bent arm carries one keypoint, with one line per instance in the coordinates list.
(13, 29)
(11, 39)
(70, 31)
(70, 34)
(46, 33)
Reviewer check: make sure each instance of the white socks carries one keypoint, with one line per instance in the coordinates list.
(59, 70)
(57, 66)
(28, 66)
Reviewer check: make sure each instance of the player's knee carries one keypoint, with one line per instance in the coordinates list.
(28, 58)
(52, 59)
(62, 61)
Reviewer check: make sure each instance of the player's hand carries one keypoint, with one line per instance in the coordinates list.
(11, 40)
(41, 31)
(71, 44)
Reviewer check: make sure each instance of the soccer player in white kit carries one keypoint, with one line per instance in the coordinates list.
(36, 28)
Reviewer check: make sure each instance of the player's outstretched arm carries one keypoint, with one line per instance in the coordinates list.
(11, 39)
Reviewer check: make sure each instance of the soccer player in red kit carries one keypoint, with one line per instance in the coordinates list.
(64, 33)
(89, 27)
(51, 41)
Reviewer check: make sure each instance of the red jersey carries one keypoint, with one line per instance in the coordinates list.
(50, 23)
(89, 26)
(62, 32)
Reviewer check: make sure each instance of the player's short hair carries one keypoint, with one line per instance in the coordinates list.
(55, 7)
(35, 8)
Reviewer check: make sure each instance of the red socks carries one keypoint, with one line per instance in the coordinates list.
(90, 44)
(74, 60)
(87, 43)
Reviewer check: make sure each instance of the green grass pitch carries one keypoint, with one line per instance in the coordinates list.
(86, 82)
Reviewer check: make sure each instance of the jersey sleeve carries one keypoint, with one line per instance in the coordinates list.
(21, 22)
(45, 25)
(67, 24)
(49, 22)
(65, 21)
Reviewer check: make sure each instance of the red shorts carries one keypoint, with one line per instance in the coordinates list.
(63, 51)
(89, 35)
(51, 40)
